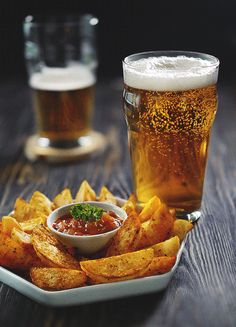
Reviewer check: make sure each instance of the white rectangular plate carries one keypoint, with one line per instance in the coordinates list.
(93, 293)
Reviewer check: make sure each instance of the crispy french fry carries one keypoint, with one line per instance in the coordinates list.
(156, 229)
(149, 209)
(106, 196)
(41, 203)
(181, 227)
(125, 239)
(168, 248)
(51, 252)
(56, 279)
(8, 223)
(85, 193)
(63, 198)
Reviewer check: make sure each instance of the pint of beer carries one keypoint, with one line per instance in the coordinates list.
(170, 102)
(61, 62)
(63, 101)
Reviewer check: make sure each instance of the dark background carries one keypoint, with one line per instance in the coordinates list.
(131, 26)
(202, 292)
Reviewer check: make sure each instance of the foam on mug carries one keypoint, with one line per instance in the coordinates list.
(62, 79)
(163, 73)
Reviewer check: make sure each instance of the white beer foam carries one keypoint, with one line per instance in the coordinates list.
(163, 73)
(62, 79)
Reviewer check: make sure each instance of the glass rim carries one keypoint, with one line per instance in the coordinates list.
(214, 62)
(73, 20)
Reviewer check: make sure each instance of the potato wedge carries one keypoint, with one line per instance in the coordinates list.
(8, 223)
(173, 212)
(159, 265)
(132, 198)
(51, 252)
(41, 203)
(97, 279)
(56, 279)
(24, 211)
(85, 193)
(16, 255)
(106, 196)
(149, 209)
(167, 248)
(181, 227)
(20, 236)
(156, 229)
(125, 239)
(118, 268)
(63, 198)
(29, 225)
(130, 205)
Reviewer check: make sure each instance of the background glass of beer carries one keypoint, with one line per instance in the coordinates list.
(61, 62)
(170, 102)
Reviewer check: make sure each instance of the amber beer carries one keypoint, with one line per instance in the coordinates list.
(169, 118)
(63, 101)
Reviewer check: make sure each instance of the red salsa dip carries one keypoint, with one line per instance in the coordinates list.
(85, 225)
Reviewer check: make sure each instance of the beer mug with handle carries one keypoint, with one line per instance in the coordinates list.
(61, 61)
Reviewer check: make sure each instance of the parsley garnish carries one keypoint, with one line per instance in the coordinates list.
(86, 212)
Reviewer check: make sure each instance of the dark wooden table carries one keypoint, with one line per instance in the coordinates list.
(203, 290)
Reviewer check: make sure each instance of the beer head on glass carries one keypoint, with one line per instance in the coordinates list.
(61, 61)
(170, 102)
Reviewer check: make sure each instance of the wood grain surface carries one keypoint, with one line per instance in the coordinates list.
(203, 290)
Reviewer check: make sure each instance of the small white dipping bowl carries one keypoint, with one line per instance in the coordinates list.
(86, 244)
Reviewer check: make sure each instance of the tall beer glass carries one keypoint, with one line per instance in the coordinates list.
(170, 102)
(61, 61)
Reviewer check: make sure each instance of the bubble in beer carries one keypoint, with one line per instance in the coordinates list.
(163, 73)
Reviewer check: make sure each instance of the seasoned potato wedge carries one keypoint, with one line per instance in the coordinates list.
(41, 203)
(156, 229)
(51, 252)
(159, 265)
(85, 193)
(63, 198)
(167, 248)
(106, 196)
(146, 244)
(24, 211)
(8, 223)
(56, 279)
(149, 209)
(118, 268)
(131, 204)
(181, 227)
(20, 236)
(16, 255)
(173, 212)
(125, 239)
(29, 225)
